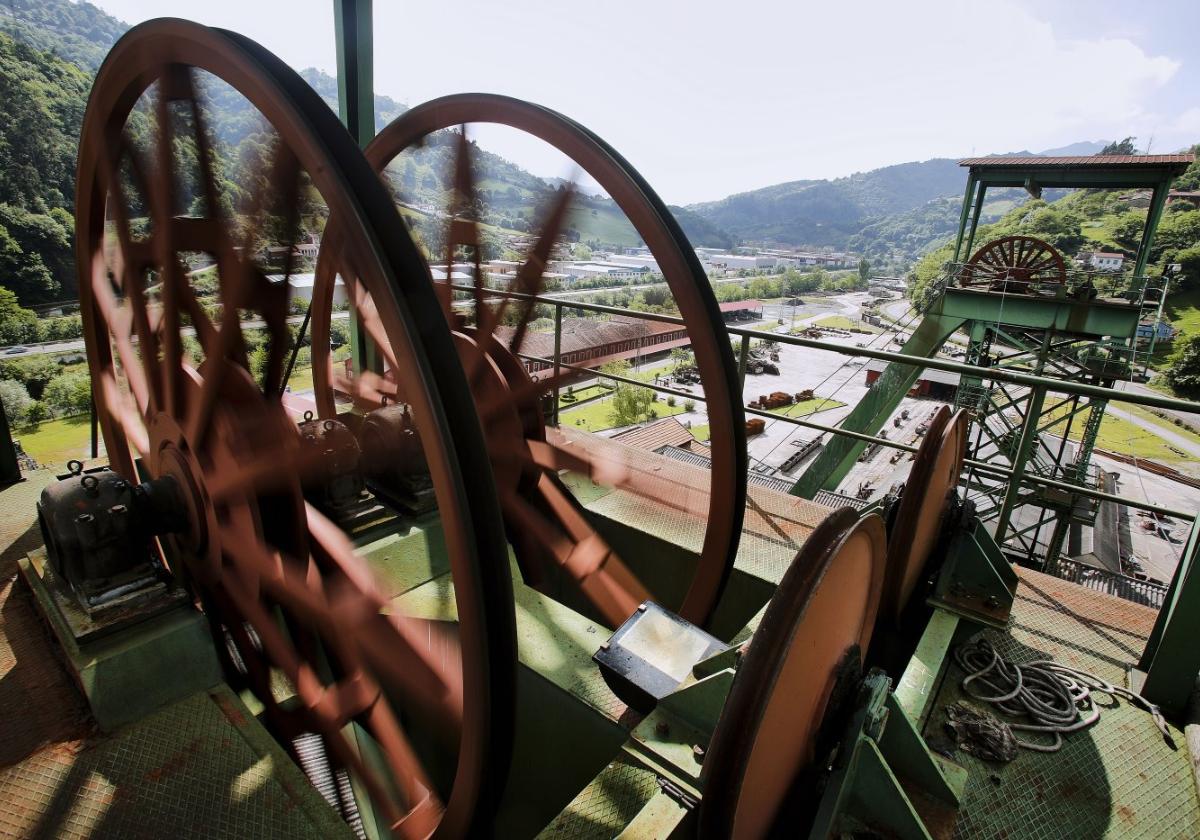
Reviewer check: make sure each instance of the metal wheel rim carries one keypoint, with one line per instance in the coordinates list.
(923, 506)
(825, 605)
(483, 586)
(686, 278)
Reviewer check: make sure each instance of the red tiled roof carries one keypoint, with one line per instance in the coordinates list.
(665, 432)
(584, 333)
(739, 305)
(1083, 160)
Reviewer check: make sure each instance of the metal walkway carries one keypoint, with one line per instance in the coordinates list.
(1118, 778)
(202, 767)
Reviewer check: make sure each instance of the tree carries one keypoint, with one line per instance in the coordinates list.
(16, 400)
(631, 404)
(681, 357)
(17, 324)
(69, 394)
(1183, 376)
(864, 272)
(1120, 147)
(1189, 264)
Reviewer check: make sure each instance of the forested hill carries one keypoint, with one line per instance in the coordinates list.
(830, 212)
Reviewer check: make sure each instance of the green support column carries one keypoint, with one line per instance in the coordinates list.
(356, 107)
(835, 460)
(976, 213)
(1171, 659)
(10, 470)
(355, 67)
(1157, 202)
(962, 217)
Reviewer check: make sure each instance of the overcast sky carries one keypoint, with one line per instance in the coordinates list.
(712, 98)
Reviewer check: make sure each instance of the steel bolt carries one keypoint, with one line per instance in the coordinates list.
(662, 728)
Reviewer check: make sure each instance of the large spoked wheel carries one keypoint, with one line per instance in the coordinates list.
(417, 713)
(926, 502)
(545, 521)
(786, 701)
(1015, 264)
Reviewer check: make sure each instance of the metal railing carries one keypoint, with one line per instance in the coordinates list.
(1042, 383)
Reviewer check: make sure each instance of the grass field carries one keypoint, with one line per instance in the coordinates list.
(55, 442)
(841, 322)
(581, 395)
(803, 409)
(1126, 437)
(597, 416)
(701, 432)
(1183, 311)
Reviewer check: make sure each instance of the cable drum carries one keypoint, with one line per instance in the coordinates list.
(1055, 698)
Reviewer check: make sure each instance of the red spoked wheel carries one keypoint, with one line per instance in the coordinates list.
(547, 524)
(1014, 264)
(417, 713)
(784, 701)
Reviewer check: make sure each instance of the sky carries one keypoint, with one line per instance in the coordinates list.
(708, 98)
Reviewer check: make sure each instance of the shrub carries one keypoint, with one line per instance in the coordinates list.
(671, 400)
(69, 394)
(17, 401)
(689, 405)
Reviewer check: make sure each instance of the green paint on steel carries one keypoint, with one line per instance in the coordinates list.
(919, 683)
(615, 799)
(356, 67)
(1098, 318)
(133, 671)
(10, 470)
(873, 410)
(1116, 779)
(1171, 658)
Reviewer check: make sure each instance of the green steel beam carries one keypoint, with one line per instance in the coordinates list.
(356, 107)
(1143, 177)
(1171, 659)
(975, 214)
(840, 453)
(355, 68)
(10, 470)
(1153, 215)
(962, 217)
(1096, 318)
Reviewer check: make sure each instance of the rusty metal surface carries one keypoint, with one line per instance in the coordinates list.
(774, 526)
(806, 651)
(1014, 264)
(552, 533)
(1116, 779)
(281, 583)
(39, 704)
(192, 770)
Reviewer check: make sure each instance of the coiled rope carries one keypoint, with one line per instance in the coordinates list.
(1057, 699)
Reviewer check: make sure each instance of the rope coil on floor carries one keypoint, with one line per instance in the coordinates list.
(1057, 699)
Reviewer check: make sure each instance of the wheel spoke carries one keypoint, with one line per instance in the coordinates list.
(119, 319)
(601, 575)
(531, 277)
(126, 416)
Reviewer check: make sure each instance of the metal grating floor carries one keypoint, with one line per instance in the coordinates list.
(1118, 778)
(193, 769)
(202, 767)
(606, 806)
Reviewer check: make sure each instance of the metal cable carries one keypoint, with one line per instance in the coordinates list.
(1055, 698)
